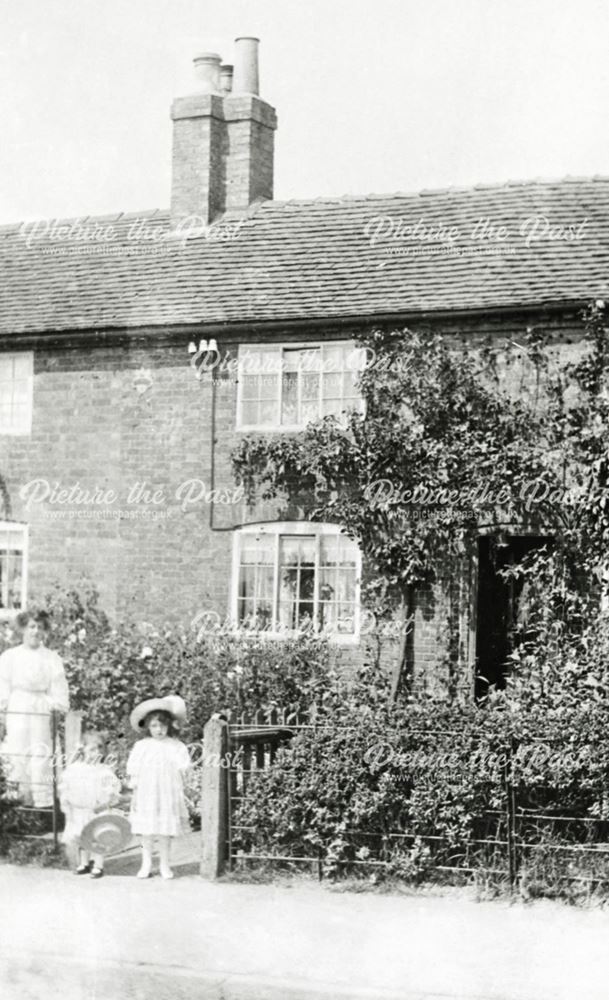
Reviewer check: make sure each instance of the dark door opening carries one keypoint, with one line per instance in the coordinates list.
(497, 607)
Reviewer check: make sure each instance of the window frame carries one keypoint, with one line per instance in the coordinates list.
(24, 427)
(8, 614)
(280, 350)
(277, 529)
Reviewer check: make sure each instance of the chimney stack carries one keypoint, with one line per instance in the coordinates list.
(223, 139)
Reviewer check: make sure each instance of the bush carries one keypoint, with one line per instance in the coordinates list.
(12, 822)
(112, 667)
(422, 789)
(371, 783)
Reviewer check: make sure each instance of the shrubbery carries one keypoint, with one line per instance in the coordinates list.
(112, 667)
(419, 787)
(414, 785)
(11, 820)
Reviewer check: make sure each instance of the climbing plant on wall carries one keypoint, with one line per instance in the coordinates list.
(459, 438)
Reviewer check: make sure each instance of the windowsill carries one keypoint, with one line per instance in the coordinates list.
(284, 428)
(334, 639)
(274, 428)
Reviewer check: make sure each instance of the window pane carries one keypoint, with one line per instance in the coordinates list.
(356, 360)
(268, 413)
(258, 550)
(345, 612)
(269, 386)
(247, 581)
(339, 389)
(249, 412)
(11, 568)
(329, 550)
(310, 387)
(15, 392)
(14, 580)
(249, 387)
(265, 583)
(311, 361)
(295, 614)
(291, 361)
(255, 584)
(259, 362)
(345, 585)
(334, 359)
(263, 616)
(329, 407)
(309, 412)
(296, 579)
(288, 615)
(350, 384)
(347, 551)
(245, 610)
(300, 385)
(345, 619)
(327, 585)
(289, 398)
(259, 386)
(297, 549)
(332, 386)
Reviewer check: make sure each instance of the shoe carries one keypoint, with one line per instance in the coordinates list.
(166, 873)
(84, 869)
(97, 872)
(144, 872)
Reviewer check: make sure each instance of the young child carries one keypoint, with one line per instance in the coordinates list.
(88, 786)
(156, 766)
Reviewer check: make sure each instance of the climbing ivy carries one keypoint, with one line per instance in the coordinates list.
(454, 440)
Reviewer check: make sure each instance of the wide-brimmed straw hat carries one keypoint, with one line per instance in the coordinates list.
(107, 833)
(172, 704)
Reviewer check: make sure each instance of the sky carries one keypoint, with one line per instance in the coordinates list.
(394, 95)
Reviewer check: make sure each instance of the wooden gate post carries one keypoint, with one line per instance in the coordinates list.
(73, 733)
(214, 799)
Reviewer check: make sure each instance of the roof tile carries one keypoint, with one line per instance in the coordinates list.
(313, 259)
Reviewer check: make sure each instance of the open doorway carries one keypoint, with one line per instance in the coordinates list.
(497, 606)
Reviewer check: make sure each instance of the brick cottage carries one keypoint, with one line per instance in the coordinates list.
(114, 446)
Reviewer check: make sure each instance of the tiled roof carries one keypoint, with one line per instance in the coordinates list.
(315, 259)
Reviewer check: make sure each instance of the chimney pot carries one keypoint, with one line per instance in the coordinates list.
(223, 140)
(207, 68)
(226, 78)
(245, 79)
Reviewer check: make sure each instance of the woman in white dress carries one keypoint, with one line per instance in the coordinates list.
(32, 685)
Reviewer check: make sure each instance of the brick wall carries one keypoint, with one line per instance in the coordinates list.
(133, 419)
(135, 422)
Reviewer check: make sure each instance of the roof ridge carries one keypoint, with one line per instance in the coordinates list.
(451, 189)
(162, 213)
(147, 213)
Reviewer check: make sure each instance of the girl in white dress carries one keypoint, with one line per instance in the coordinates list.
(156, 767)
(88, 786)
(32, 685)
